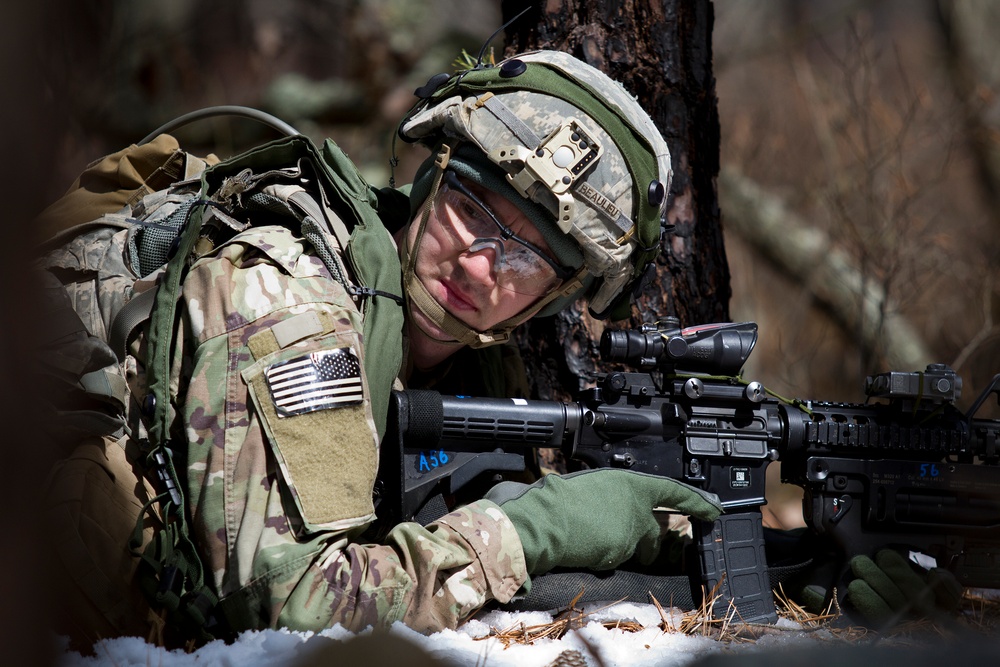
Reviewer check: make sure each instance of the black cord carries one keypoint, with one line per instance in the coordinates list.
(224, 110)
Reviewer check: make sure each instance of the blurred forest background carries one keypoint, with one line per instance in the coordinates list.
(860, 178)
(860, 169)
(860, 154)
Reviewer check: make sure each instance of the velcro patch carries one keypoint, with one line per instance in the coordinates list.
(317, 381)
(604, 204)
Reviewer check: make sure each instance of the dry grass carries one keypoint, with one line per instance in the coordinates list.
(827, 620)
(703, 622)
(570, 618)
(979, 613)
(793, 611)
(697, 622)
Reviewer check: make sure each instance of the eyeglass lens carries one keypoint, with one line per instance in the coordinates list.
(519, 268)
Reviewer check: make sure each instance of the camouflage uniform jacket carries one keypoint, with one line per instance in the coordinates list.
(278, 489)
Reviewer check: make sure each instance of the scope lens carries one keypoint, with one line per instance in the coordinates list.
(630, 346)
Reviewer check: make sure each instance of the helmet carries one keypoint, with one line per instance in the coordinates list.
(568, 141)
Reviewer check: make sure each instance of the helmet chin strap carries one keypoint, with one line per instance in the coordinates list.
(418, 297)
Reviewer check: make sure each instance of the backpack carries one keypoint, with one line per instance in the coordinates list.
(118, 247)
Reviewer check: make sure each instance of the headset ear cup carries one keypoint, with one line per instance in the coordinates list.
(618, 310)
(426, 91)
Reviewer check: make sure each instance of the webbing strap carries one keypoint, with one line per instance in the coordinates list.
(312, 209)
(131, 316)
(172, 556)
(163, 323)
(517, 126)
(168, 563)
(165, 175)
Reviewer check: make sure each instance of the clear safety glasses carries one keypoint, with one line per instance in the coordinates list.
(519, 265)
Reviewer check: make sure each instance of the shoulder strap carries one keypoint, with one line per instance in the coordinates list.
(132, 315)
(174, 574)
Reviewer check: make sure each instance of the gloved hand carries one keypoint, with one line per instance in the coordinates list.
(889, 589)
(595, 519)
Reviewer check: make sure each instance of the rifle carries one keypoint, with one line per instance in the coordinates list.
(908, 471)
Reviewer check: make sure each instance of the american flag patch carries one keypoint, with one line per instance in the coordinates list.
(316, 381)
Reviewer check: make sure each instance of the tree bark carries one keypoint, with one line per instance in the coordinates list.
(661, 51)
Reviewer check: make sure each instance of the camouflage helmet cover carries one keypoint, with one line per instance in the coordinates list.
(571, 139)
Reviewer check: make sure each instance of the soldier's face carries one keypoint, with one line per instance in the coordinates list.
(476, 276)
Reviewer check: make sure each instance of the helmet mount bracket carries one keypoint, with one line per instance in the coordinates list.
(556, 164)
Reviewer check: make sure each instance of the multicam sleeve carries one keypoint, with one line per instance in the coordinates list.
(429, 577)
(277, 495)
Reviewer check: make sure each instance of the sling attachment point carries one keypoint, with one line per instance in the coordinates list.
(164, 473)
(360, 291)
(171, 570)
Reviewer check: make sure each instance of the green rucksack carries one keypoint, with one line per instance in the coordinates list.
(123, 272)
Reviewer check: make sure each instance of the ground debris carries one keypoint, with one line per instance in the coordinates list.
(570, 618)
(979, 612)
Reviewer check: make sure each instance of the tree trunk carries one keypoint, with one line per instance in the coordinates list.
(661, 51)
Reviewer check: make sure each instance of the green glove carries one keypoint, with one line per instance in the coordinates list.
(595, 519)
(889, 589)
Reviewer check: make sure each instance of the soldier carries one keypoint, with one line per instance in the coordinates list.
(546, 182)
(493, 241)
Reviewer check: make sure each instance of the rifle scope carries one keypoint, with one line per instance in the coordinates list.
(715, 349)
